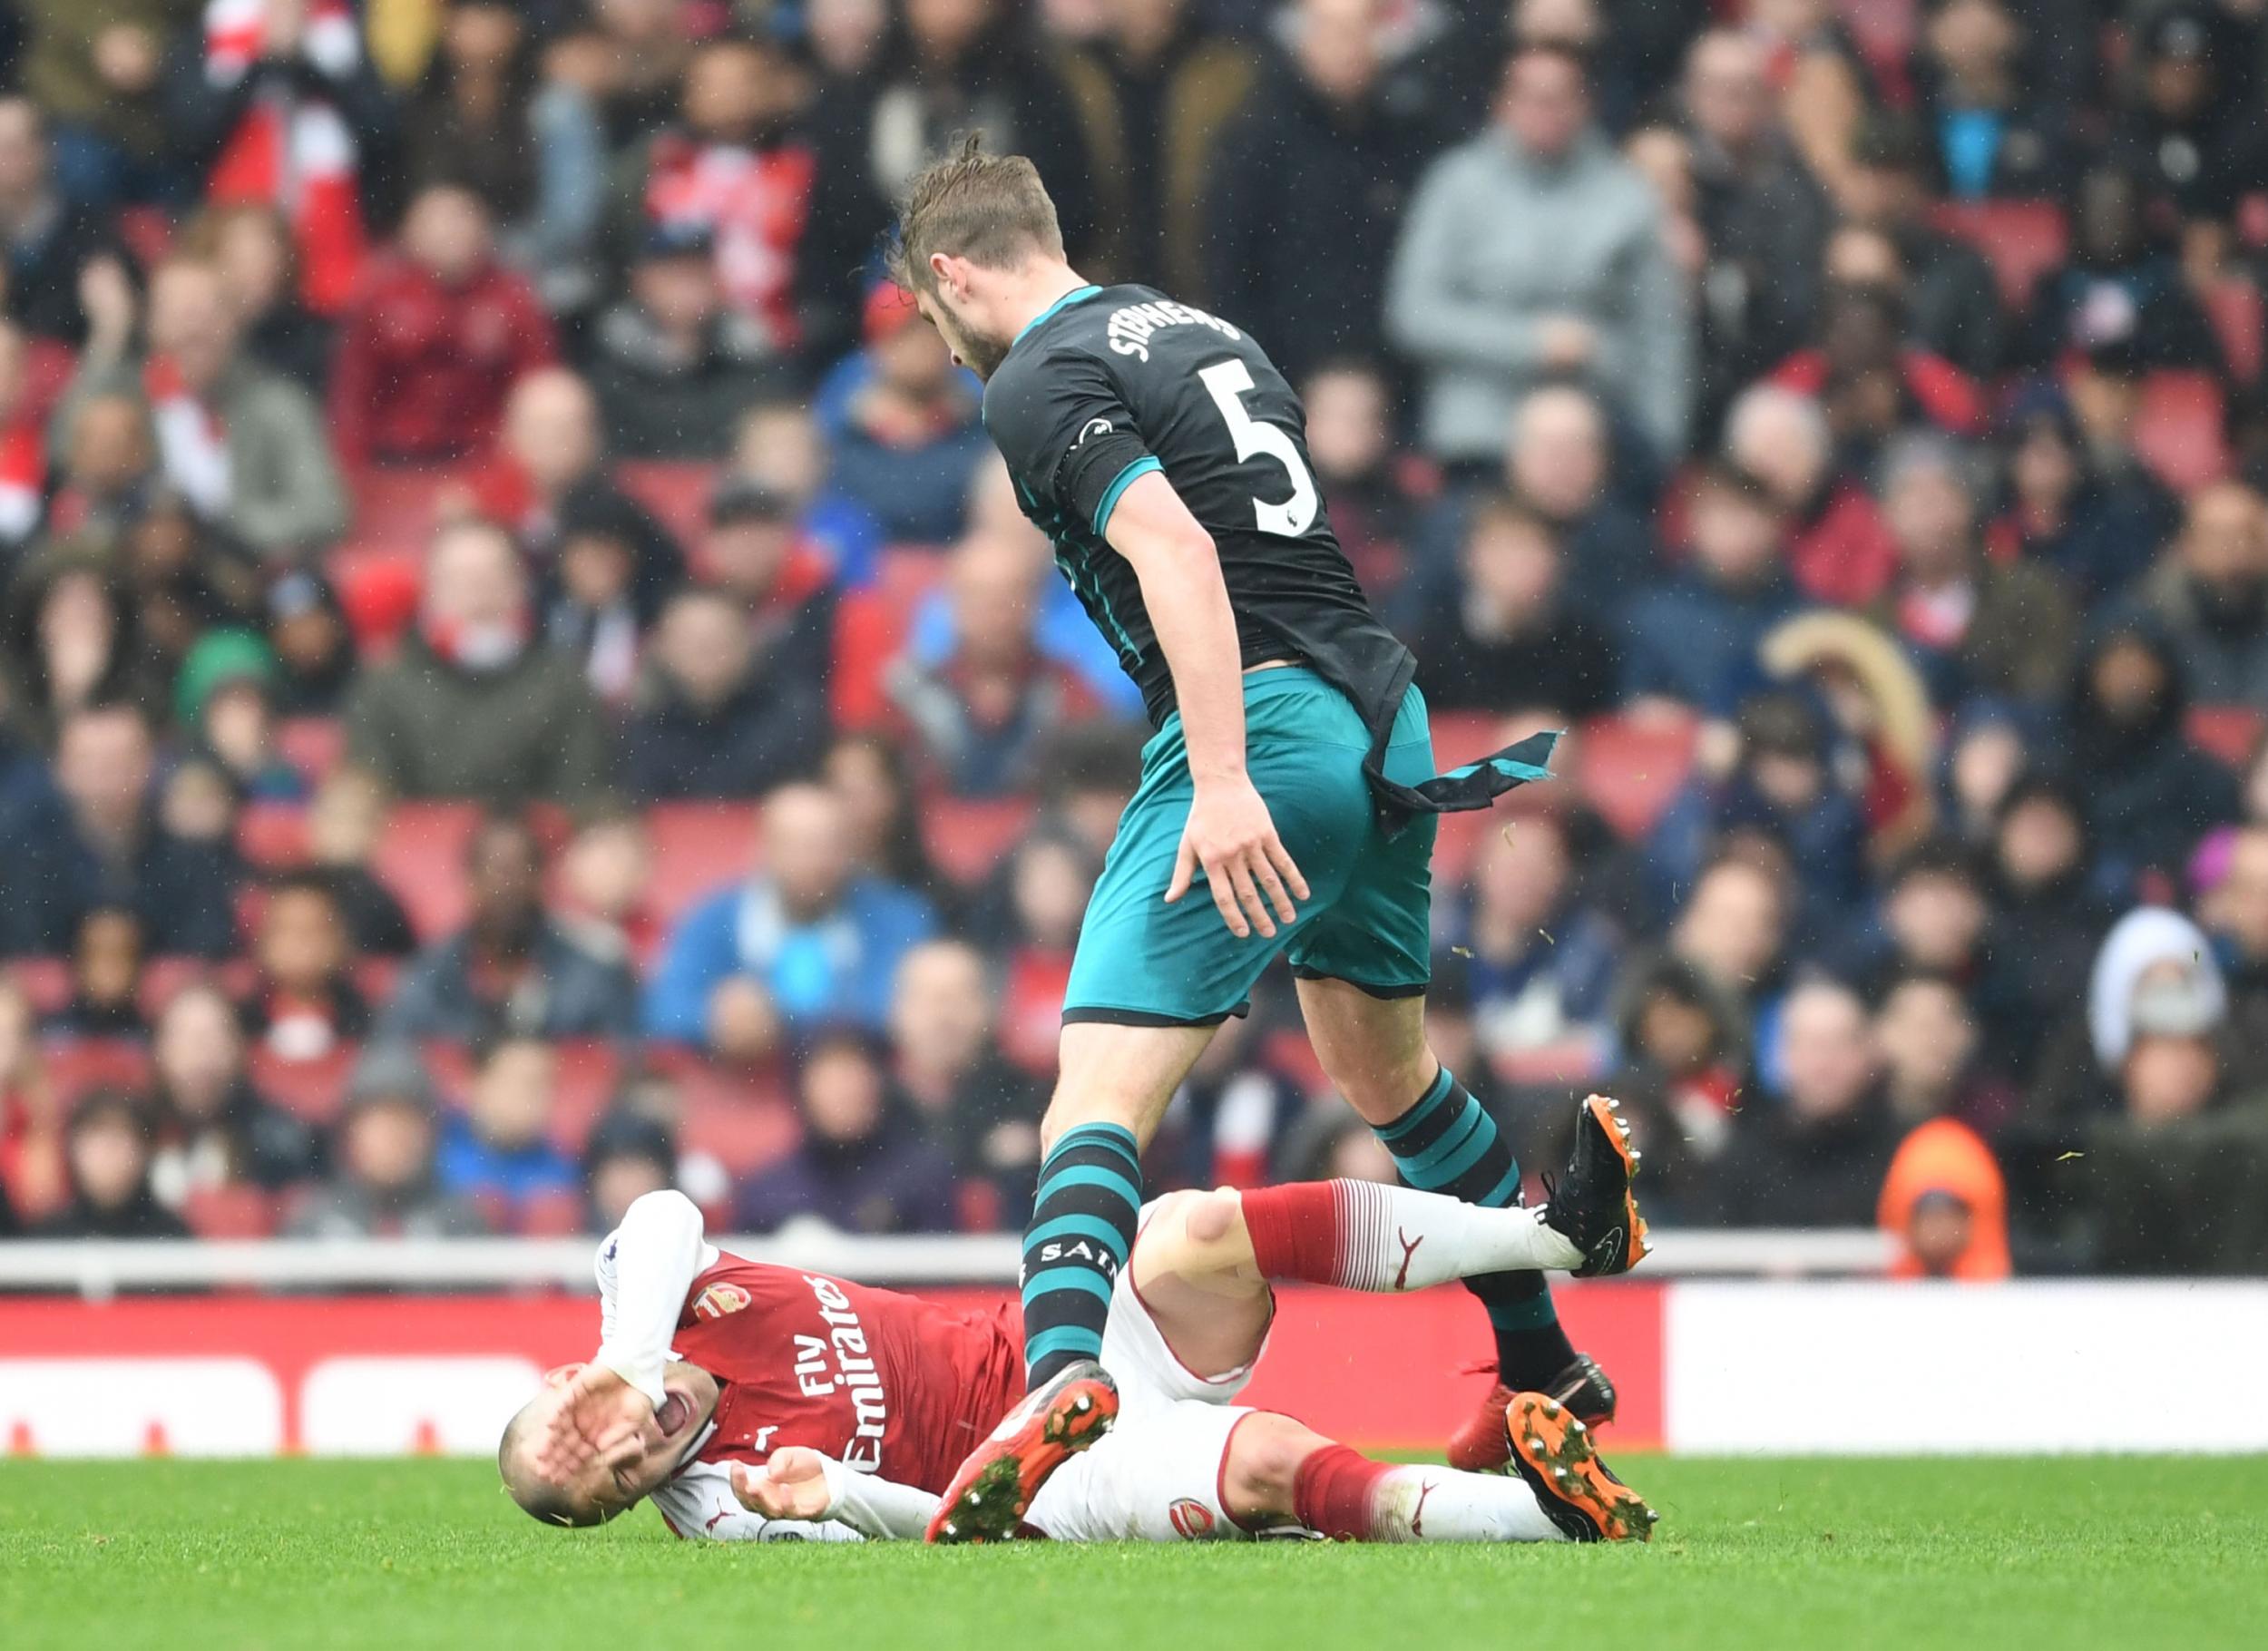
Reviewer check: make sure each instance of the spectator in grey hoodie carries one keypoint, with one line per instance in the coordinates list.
(1534, 252)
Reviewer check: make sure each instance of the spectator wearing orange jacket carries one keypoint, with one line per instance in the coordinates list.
(1945, 1202)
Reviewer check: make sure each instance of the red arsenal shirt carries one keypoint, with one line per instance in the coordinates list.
(887, 1383)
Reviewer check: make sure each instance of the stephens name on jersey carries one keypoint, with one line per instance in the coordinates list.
(1112, 383)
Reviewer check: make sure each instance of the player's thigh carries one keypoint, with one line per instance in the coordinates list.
(1154, 1477)
(1120, 1073)
(1191, 1307)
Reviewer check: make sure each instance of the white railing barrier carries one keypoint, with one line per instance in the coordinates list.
(96, 1269)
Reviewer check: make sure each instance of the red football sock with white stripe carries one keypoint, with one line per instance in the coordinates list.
(1369, 1235)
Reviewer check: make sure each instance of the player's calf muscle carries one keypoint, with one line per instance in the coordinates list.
(1373, 1048)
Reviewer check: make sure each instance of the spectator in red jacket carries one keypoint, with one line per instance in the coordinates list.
(1839, 549)
(1873, 382)
(434, 339)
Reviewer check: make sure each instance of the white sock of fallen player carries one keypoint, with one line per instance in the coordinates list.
(1420, 1504)
(1368, 1235)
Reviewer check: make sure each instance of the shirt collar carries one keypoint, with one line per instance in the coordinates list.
(1077, 295)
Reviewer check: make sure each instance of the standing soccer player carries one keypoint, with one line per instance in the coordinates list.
(1292, 770)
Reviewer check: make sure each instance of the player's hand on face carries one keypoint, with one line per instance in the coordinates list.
(1232, 839)
(791, 1486)
(599, 1417)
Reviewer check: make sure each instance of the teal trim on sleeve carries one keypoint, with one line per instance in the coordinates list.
(1132, 473)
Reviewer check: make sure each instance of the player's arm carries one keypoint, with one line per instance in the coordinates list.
(703, 1500)
(1230, 834)
(645, 1267)
(802, 1484)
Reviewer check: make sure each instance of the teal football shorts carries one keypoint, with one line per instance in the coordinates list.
(1368, 917)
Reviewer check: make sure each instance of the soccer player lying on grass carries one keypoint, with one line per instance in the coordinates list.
(756, 1402)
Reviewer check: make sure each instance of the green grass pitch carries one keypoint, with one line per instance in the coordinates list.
(1973, 1553)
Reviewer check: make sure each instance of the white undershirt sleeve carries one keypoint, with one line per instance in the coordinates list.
(875, 1508)
(644, 1268)
(699, 1503)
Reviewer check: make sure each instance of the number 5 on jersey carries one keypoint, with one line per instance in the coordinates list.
(1229, 382)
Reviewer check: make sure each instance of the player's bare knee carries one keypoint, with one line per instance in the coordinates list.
(1212, 1215)
(1265, 1454)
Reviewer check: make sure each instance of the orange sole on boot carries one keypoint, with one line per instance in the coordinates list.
(1617, 1134)
(995, 1488)
(1556, 1448)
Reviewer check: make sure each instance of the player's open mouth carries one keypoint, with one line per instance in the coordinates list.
(672, 1414)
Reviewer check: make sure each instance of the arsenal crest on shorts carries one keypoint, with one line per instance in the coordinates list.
(1192, 1518)
(719, 1299)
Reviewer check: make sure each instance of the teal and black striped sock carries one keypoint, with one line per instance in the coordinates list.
(1447, 1143)
(1081, 1229)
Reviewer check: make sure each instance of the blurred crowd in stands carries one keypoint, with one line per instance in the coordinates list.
(521, 681)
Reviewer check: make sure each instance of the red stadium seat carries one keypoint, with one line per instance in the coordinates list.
(2235, 304)
(48, 367)
(549, 1214)
(2178, 430)
(76, 1065)
(2022, 240)
(231, 1212)
(148, 232)
(1628, 768)
(375, 978)
(272, 836)
(312, 1089)
(251, 909)
(420, 856)
(1461, 736)
(676, 491)
(164, 977)
(588, 1073)
(698, 848)
(966, 837)
(2252, 219)
(1885, 32)
(1290, 1053)
(313, 745)
(870, 627)
(45, 982)
(395, 507)
(744, 1120)
(449, 1066)
(1459, 838)
(742, 1137)
(2230, 732)
(977, 1207)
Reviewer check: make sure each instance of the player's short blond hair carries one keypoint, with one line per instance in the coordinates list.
(992, 209)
